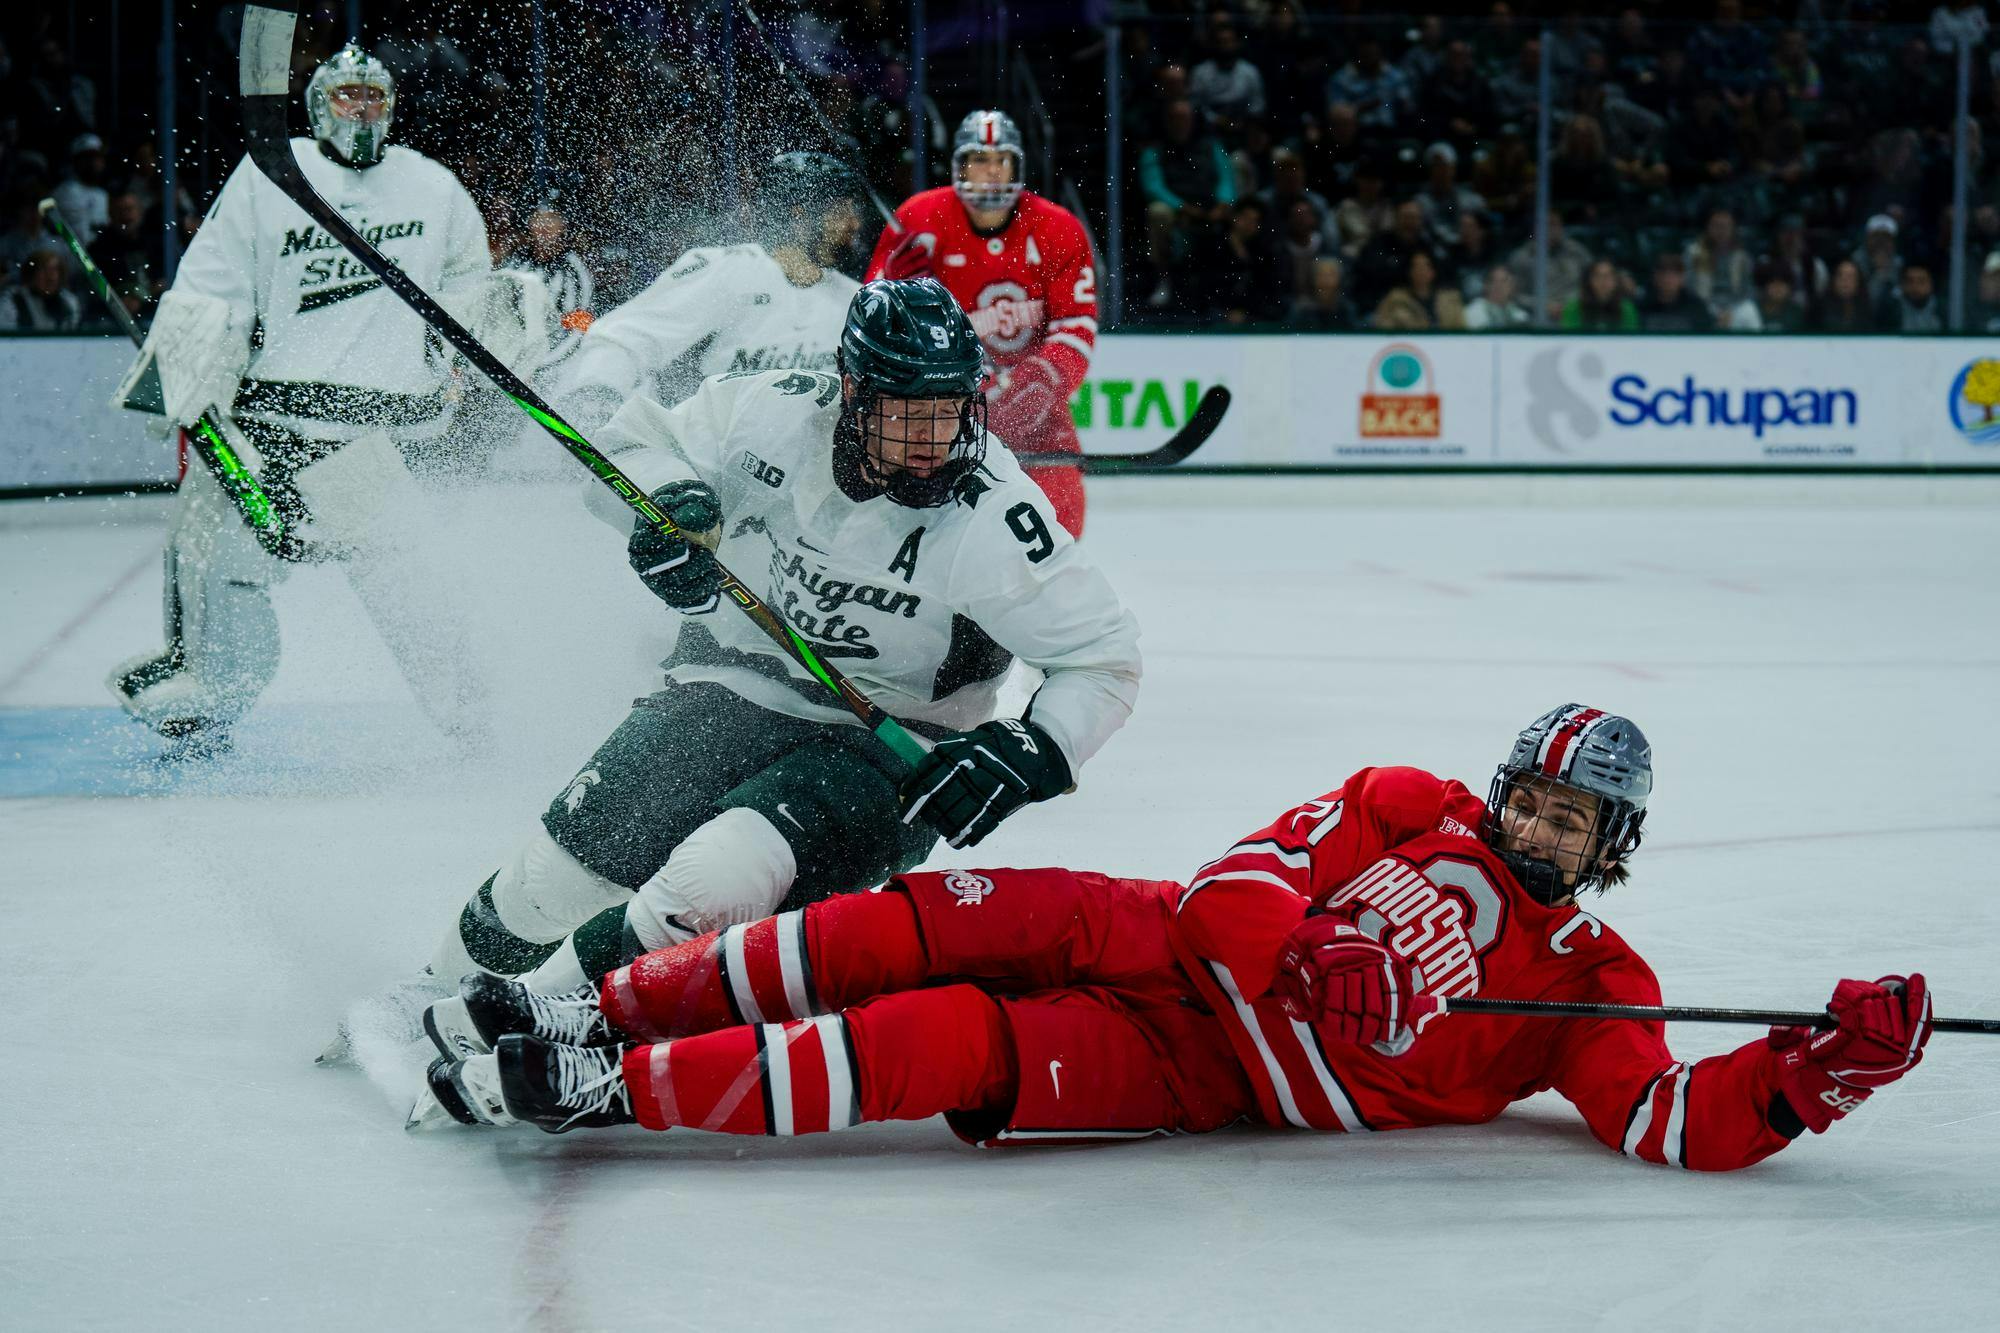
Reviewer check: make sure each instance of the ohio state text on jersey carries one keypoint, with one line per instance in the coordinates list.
(1028, 288)
(1395, 851)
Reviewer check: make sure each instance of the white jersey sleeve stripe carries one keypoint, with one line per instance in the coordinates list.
(1642, 1116)
(1248, 1017)
(1260, 876)
(1673, 1146)
(1073, 341)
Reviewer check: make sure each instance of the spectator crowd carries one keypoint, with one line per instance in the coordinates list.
(1323, 170)
(1329, 170)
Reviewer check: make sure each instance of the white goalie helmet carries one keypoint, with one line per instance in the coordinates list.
(987, 132)
(357, 141)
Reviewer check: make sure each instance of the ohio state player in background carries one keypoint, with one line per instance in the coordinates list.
(1286, 982)
(1020, 265)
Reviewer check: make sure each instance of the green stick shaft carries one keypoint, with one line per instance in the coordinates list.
(210, 444)
(266, 85)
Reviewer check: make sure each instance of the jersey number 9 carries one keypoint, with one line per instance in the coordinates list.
(1029, 530)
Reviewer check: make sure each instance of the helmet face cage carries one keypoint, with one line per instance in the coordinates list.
(879, 441)
(359, 143)
(1614, 836)
(988, 132)
(1581, 750)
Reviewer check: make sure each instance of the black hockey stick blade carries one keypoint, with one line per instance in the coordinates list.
(1673, 1013)
(1201, 424)
(211, 446)
(265, 72)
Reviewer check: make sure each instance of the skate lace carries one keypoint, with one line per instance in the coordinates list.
(589, 1081)
(571, 1019)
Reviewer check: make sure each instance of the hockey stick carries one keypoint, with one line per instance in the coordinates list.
(805, 95)
(265, 71)
(235, 478)
(1201, 424)
(1672, 1013)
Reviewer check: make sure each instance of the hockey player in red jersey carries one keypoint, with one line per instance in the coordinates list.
(1020, 265)
(1290, 981)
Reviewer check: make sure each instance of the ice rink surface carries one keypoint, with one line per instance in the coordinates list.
(1816, 662)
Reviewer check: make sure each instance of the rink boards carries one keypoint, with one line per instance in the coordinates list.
(1466, 401)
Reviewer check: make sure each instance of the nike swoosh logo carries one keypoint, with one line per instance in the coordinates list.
(789, 815)
(808, 545)
(1055, 1077)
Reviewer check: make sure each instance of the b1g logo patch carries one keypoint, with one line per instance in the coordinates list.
(968, 888)
(770, 474)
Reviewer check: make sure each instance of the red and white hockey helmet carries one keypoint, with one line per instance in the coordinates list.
(987, 132)
(1587, 750)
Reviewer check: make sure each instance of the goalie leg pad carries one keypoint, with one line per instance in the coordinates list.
(222, 633)
(518, 916)
(730, 871)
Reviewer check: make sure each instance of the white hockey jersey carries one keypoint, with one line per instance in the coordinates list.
(717, 311)
(925, 609)
(332, 352)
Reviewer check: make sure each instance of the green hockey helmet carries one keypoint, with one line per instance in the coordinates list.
(910, 342)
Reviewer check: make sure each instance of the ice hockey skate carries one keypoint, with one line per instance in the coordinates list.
(556, 1088)
(488, 1007)
(153, 688)
(560, 1088)
(465, 1092)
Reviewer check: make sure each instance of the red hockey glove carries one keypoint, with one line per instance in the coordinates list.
(911, 257)
(1883, 1027)
(1030, 395)
(1353, 988)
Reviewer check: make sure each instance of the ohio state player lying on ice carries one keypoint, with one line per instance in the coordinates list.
(1284, 983)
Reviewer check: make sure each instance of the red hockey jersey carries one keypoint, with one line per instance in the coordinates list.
(1029, 288)
(1396, 851)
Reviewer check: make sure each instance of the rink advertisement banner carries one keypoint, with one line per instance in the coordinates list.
(1554, 401)
(61, 427)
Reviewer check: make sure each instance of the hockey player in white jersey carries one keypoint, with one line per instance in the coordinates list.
(721, 309)
(325, 382)
(903, 548)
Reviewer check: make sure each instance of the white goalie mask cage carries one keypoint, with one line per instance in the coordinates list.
(359, 143)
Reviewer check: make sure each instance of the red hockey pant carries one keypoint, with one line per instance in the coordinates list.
(1063, 485)
(1026, 1005)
